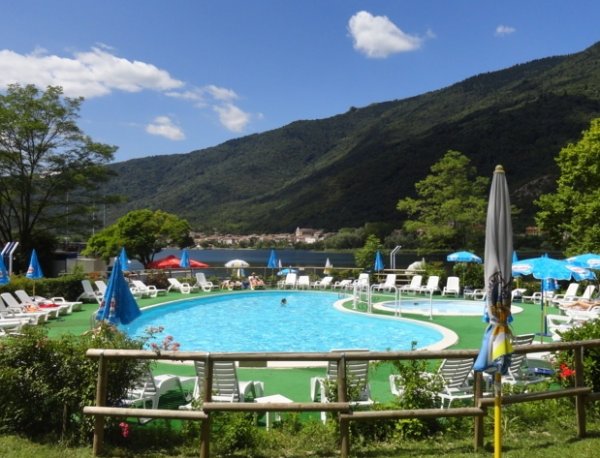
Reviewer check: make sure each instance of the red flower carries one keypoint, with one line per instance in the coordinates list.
(566, 371)
(124, 429)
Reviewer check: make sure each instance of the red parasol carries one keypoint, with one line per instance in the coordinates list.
(172, 262)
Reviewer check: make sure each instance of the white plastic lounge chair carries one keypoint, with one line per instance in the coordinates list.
(147, 290)
(13, 309)
(12, 325)
(290, 281)
(101, 285)
(454, 374)
(324, 283)
(183, 288)
(452, 287)
(557, 324)
(89, 293)
(357, 381)
(432, 285)
(388, 285)
(586, 296)
(225, 384)
(342, 284)
(582, 316)
(517, 294)
(148, 389)
(303, 282)
(570, 294)
(415, 284)
(26, 299)
(362, 282)
(202, 282)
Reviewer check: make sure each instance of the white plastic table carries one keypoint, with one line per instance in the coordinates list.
(273, 399)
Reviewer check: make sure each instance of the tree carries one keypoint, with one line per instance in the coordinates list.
(48, 167)
(451, 209)
(569, 217)
(143, 233)
(365, 256)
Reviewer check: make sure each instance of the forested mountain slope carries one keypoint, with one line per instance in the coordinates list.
(352, 168)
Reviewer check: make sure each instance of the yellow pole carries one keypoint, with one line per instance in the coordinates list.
(497, 415)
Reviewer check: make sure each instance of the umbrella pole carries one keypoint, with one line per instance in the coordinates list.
(497, 415)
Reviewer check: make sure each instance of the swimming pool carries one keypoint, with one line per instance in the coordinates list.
(449, 307)
(257, 321)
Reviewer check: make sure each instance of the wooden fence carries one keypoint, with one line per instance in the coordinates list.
(343, 407)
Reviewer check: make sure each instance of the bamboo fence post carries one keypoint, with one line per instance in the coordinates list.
(580, 399)
(205, 425)
(342, 397)
(478, 421)
(100, 401)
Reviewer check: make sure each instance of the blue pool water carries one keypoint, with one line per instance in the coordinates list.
(451, 307)
(257, 321)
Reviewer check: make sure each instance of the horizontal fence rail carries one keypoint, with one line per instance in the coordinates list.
(343, 407)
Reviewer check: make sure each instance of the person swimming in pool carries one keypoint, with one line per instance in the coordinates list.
(283, 302)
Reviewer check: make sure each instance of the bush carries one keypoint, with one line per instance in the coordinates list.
(418, 393)
(67, 286)
(565, 365)
(46, 383)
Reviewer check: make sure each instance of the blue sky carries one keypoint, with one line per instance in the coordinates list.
(170, 77)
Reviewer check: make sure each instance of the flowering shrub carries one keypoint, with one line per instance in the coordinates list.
(47, 382)
(167, 343)
(591, 360)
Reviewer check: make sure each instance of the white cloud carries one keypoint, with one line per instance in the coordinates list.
(233, 118)
(164, 127)
(89, 74)
(377, 36)
(503, 30)
(99, 72)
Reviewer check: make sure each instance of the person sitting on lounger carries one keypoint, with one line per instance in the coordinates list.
(255, 281)
(582, 304)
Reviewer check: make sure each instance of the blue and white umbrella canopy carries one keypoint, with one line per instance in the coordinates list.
(587, 260)
(463, 256)
(378, 262)
(4, 277)
(124, 259)
(118, 305)
(287, 270)
(544, 267)
(272, 262)
(34, 271)
(184, 262)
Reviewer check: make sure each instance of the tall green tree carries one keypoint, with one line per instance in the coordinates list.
(49, 169)
(569, 216)
(143, 233)
(365, 256)
(450, 210)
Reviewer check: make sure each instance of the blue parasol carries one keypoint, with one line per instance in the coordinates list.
(118, 305)
(378, 262)
(124, 259)
(545, 268)
(587, 260)
(463, 256)
(4, 277)
(184, 262)
(34, 271)
(287, 270)
(272, 262)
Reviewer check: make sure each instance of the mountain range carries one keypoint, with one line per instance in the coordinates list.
(352, 168)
